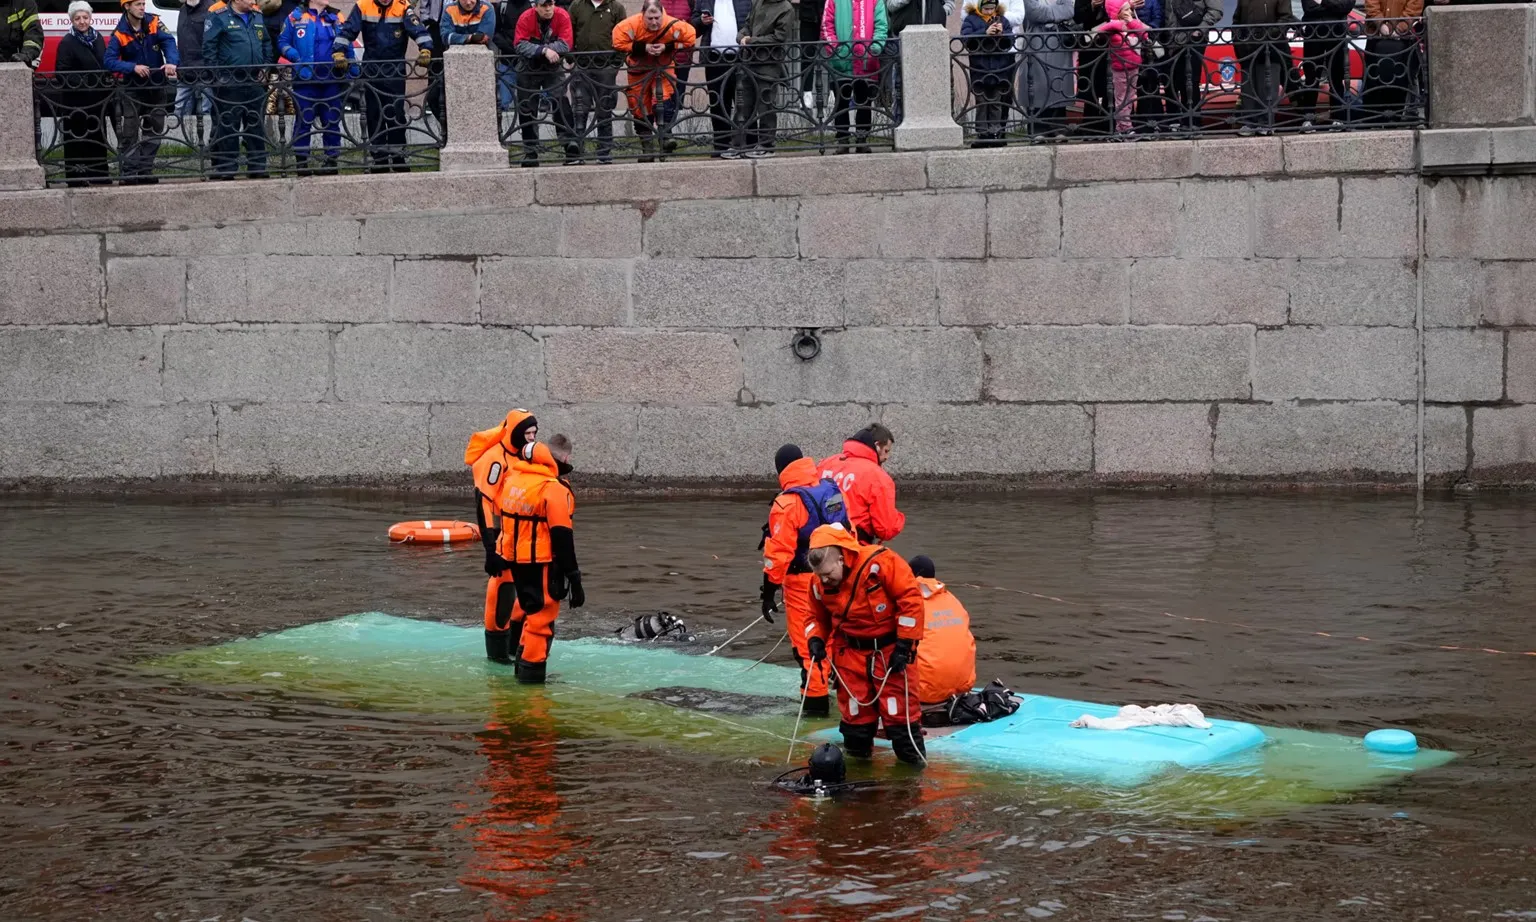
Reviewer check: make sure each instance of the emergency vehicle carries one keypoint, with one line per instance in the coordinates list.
(54, 15)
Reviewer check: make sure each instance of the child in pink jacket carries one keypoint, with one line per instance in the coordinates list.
(1125, 38)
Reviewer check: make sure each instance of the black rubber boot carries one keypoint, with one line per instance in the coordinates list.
(858, 739)
(907, 743)
(816, 706)
(530, 673)
(498, 647)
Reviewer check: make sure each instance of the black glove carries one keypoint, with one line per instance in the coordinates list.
(495, 564)
(578, 595)
(817, 648)
(901, 657)
(769, 593)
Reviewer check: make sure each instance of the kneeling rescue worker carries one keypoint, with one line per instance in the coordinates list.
(806, 503)
(867, 607)
(946, 660)
(539, 546)
(491, 455)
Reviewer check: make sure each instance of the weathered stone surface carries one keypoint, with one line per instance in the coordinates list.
(231, 366)
(1077, 163)
(1005, 168)
(1004, 292)
(416, 364)
(1335, 363)
(1445, 440)
(514, 232)
(1118, 363)
(1513, 147)
(189, 205)
(1296, 217)
(1023, 224)
(737, 443)
(1455, 150)
(1201, 291)
(1379, 216)
(744, 228)
(323, 440)
(53, 279)
(1239, 156)
(289, 289)
(642, 182)
(554, 292)
(1120, 219)
(737, 293)
(80, 365)
(1353, 292)
(1275, 439)
(1214, 219)
(43, 440)
(874, 366)
(1482, 65)
(807, 176)
(312, 237)
(200, 244)
(1463, 365)
(603, 435)
(989, 439)
(148, 290)
(435, 291)
(1471, 217)
(1464, 293)
(1152, 438)
(924, 225)
(1520, 376)
(841, 225)
(34, 211)
(601, 231)
(469, 86)
(345, 196)
(1503, 436)
(927, 101)
(660, 368)
(1361, 152)
(896, 292)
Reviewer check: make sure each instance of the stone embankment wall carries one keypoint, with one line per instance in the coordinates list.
(1305, 309)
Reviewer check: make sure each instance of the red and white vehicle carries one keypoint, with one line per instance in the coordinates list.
(52, 14)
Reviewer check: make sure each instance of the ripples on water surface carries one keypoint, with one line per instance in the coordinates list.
(127, 796)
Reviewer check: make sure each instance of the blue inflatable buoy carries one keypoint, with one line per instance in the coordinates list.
(1395, 741)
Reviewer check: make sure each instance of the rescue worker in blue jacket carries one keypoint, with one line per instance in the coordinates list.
(318, 91)
(142, 51)
(235, 40)
(384, 26)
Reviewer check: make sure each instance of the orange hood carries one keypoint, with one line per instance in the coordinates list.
(833, 535)
(486, 439)
(929, 587)
(799, 473)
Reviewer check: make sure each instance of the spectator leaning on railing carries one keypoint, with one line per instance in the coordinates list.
(236, 43)
(143, 51)
(595, 83)
(770, 26)
(652, 43)
(385, 26)
(468, 22)
(543, 39)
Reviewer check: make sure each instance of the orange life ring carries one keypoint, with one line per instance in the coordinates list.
(432, 532)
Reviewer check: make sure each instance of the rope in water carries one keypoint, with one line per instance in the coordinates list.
(765, 656)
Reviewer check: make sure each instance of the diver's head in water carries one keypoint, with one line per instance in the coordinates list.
(823, 776)
(662, 625)
(826, 765)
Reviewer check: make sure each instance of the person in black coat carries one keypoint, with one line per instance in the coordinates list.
(720, 54)
(85, 99)
(918, 13)
(1093, 68)
(1324, 51)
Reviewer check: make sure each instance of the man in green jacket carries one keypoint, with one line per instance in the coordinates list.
(772, 24)
(21, 34)
(595, 80)
(235, 42)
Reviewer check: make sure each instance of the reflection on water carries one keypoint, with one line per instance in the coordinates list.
(130, 795)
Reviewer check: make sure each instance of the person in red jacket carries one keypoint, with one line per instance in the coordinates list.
(867, 606)
(870, 491)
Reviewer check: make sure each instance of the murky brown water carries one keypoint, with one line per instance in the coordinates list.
(126, 798)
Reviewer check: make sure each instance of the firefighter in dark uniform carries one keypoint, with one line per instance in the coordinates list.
(21, 34)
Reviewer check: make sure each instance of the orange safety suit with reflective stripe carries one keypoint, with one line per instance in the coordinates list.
(868, 490)
(947, 655)
(534, 501)
(785, 519)
(491, 453)
(877, 603)
(652, 78)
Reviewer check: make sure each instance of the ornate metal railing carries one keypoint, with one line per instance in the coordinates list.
(731, 102)
(1054, 82)
(96, 128)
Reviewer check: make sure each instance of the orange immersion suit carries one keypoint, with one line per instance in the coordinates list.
(947, 656)
(784, 565)
(490, 455)
(877, 604)
(537, 542)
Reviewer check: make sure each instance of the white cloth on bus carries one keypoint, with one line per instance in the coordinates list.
(1158, 715)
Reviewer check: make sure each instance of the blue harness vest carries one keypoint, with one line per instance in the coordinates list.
(824, 502)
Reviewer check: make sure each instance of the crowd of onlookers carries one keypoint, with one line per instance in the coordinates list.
(1042, 68)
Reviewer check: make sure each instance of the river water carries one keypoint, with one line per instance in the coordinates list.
(126, 795)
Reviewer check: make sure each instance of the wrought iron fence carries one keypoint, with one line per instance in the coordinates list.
(1051, 83)
(723, 102)
(94, 128)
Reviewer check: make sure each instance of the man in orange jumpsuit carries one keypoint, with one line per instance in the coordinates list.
(806, 502)
(946, 660)
(491, 454)
(539, 546)
(867, 607)
(868, 489)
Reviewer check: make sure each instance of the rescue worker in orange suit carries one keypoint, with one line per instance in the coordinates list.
(491, 454)
(869, 491)
(946, 659)
(867, 610)
(806, 502)
(539, 546)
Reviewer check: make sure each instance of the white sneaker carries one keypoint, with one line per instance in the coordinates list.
(810, 99)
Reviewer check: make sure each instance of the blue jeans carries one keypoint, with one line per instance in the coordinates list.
(506, 87)
(193, 101)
